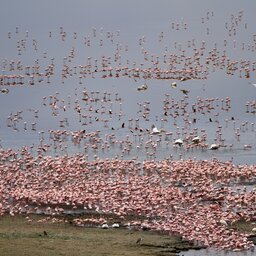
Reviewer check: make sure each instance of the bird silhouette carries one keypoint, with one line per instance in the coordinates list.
(184, 91)
(139, 240)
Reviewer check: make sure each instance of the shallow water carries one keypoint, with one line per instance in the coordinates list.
(211, 252)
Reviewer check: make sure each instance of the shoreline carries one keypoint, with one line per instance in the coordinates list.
(198, 200)
(44, 228)
(153, 241)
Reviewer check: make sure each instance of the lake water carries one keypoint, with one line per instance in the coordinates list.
(212, 252)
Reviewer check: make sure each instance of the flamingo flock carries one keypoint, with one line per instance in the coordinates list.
(97, 156)
(188, 198)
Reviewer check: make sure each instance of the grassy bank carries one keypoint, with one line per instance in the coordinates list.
(20, 237)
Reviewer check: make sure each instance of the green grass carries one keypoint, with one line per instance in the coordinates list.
(18, 237)
(243, 226)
